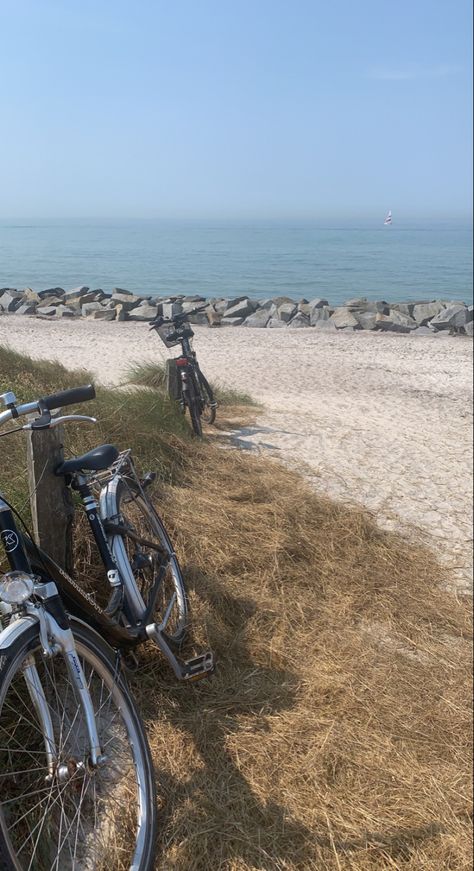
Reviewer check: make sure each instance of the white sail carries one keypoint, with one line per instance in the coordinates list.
(388, 219)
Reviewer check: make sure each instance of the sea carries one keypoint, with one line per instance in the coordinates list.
(333, 259)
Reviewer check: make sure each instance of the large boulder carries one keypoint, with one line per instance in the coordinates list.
(65, 311)
(75, 292)
(127, 299)
(199, 319)
(57, 292)
(242, 309)
(27, 308)
(231, 322)
(29, 295)
(402, 319)
(280, 300)
(326, 326)
(388, 324)
(259, 318)
(454, 316)
(299, 320)
(10, 301)
(406, 308)
(366, 320)
(230, 304)
(424, 312)
(104, 314)
(318, 303)
(276, 323)
(90, 307)
(213, 317)
(46, 310)
(469, 328)
(343, 317)
(320, 314)
(143, 312)
(286, 311)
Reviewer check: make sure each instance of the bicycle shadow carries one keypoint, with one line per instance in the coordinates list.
(223, 809)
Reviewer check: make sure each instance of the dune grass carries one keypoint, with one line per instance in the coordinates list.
(336, 733)
(154, 375)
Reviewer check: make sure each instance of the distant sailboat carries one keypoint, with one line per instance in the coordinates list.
(388, 219)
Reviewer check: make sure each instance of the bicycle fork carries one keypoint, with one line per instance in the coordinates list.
(57, 639)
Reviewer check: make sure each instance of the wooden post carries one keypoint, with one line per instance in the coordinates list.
(51, 503)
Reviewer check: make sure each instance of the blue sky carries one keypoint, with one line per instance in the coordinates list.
(235, 108)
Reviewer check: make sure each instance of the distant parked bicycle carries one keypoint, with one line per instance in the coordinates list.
(193, 390)
(76, 776)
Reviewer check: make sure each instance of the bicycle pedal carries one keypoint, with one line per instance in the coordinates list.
(190, 670)
(199, 666)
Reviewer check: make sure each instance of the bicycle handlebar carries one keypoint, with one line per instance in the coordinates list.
(175, 319)
(47, 403)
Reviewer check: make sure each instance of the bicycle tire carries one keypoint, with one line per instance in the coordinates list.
(194, 406)
(142, 517)
(208, 413)
(93, 826)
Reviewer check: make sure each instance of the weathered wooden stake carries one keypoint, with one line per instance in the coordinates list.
(51, 503)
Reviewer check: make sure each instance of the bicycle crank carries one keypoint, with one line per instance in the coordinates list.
(192, 669)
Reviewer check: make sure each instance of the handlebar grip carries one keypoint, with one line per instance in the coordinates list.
(69, 397)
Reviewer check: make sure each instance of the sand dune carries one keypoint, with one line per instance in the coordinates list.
(381, 420)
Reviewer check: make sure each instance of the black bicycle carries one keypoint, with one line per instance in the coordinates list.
(189, 386)
(77, 783)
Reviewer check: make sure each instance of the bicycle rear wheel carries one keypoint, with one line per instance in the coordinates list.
(193, 402)
(146, 546)
(73, 817)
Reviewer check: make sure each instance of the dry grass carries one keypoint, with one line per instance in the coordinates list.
(336, 733)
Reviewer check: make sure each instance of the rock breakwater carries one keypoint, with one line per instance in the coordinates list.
(417, 317)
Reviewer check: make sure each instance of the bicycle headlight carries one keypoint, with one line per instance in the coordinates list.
(16, 587)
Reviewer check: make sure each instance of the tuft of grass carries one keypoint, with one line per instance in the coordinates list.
(336, 733)
(154, 375)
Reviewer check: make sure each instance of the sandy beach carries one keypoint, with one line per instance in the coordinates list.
(381, 420)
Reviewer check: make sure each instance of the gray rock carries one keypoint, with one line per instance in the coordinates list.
(231, 322)
(28, 308)
(10, 302)
(231, 303)
(299, 320)
(343, 317)
(318, 303)
(127, 299)
(194, 298)
(213, 317)
(242, 309)
(286, 311)
(357, 302)
(259, 318)
(105, 314)
(385, 322)
(143, 312)
(46, 310)
(319, 314)
(326, 326)
(469, 328)
(200, 319)
(426, 311)
(29, 295)
(367, 320)
(406, 308)
(267, 304)
(452, 317)
(75, 292)
(65, 311)
(90, 307)
(122, 290)
(402, 319)
(281, 300)
(57, 292)
(11, 290)
(276, 323)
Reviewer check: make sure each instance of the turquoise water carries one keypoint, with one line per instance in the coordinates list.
(260, 259)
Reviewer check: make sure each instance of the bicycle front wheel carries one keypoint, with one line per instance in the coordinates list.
(69, 816)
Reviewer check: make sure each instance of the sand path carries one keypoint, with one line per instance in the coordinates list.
(382, 420)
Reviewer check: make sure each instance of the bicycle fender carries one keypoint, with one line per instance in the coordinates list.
(14, 631)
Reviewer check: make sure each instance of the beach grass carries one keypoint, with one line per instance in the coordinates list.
(336, 733)
(154, 375)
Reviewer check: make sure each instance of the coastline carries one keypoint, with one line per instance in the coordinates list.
(382, 420)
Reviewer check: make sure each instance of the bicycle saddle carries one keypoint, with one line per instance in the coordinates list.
(94, 461)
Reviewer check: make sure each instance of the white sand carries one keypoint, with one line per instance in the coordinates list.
(381, 420)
